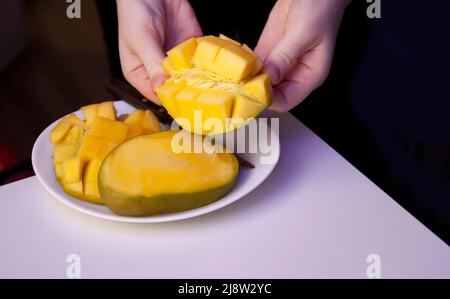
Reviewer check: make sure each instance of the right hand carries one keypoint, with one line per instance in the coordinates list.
(147, 29)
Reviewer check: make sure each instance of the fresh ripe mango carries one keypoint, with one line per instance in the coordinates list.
(64, 151)
(223, 81)
(181, 56)
(80, 146)
(111, 130)
(260, 87)
(72, 169)
(107, 110)
(59, 131)
(90, 113)
(150, 123)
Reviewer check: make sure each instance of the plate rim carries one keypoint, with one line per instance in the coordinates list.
(220, 203)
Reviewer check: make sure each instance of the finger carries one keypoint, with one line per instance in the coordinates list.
(286, 53)
(273, 30)
(136, 73)
(306, 75)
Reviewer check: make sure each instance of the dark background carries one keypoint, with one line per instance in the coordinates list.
(384, 106)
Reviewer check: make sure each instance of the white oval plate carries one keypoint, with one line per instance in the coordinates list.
(248, 179)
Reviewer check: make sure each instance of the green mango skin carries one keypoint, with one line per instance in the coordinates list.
(161, 204)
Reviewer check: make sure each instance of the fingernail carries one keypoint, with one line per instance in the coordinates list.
(158, 79)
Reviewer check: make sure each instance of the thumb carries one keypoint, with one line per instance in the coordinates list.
(150, 51)
(281, 59)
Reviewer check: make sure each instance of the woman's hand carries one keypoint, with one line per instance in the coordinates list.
(297, 47)
(147, 29)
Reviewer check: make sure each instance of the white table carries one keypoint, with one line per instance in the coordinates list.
(316, 216)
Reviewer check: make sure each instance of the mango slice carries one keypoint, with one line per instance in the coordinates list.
(173, 181)
(80, 146)
(181, 56)
(223, 80)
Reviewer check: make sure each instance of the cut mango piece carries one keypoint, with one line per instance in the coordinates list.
(137, 117)
(167, 93)
(216, 107)
(224, 37)
(258, 65)
(181, 56)
(111, 130)
(185, 103)
(74, 135)
(91, 192)
(207, 49)
(107, 110)
(91, 171)
(135, 130)
(95, 148)
(73, 188)
(222, 69)
(261, 88)
(64, 151)
(59, 131)
(58, 170)
(74, 120)
(72, 169)
(150, 123)
(90, 113)
(234, 63)
(245, 108)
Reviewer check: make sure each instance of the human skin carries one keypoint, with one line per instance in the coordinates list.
(147, 30)
(296, 45)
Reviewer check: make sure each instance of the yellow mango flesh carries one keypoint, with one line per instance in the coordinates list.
(260, 87)
(81, 146)
(145, 176)
(223, 82)
(181, 56)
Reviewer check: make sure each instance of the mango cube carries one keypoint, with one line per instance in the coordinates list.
(92, 169)
(72, 169)
(224, 84)
(64, 151)
(181, 56)
(234, 63)
(260, 87)
(107, 110)
(245, 108)
(258, 65)
(91, 192)
(150, 123)
(74, 120)
(135, 130)
(74, 135)
(90, 113)
(73, 188)
(111, 130)
(216, 106)
(166, 94)
(136, 117)
(224, 37)
(95, 148)
(59, 131)
(207, 49)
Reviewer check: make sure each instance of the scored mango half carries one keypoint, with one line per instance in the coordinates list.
(215, 85)
(80, 146)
